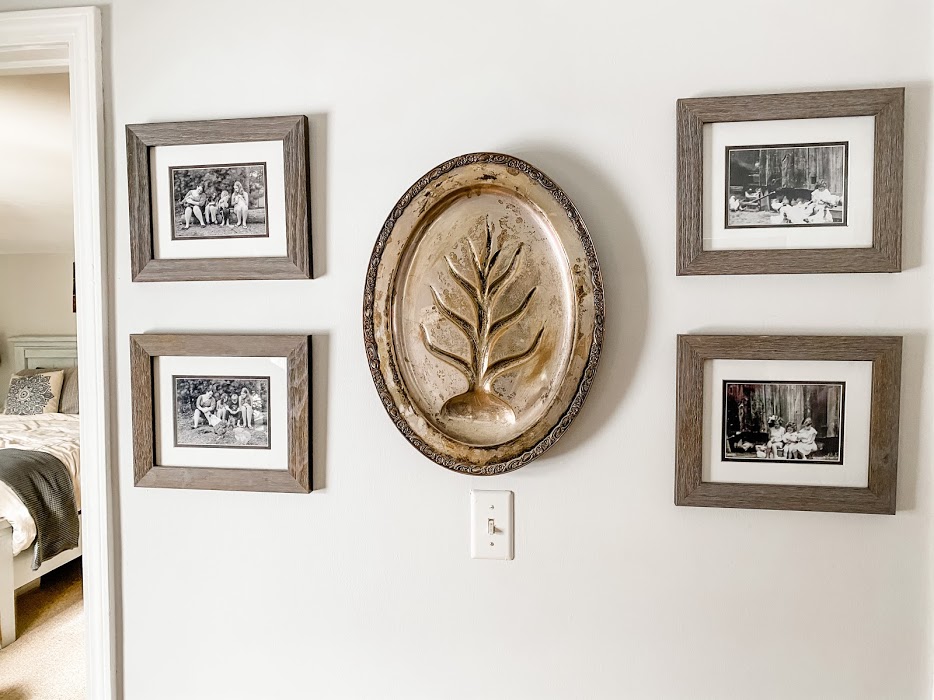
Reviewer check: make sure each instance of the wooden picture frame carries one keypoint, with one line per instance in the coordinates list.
(297, 351)
(291, 130)
(886, 105)
(878, 497)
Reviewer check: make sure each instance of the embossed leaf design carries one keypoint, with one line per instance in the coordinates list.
(490, 278)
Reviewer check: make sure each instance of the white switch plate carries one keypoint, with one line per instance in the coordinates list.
(491, 525)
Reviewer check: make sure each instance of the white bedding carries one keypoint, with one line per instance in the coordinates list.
(53, 433)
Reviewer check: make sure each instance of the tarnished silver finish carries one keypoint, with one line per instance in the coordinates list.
(483, 313)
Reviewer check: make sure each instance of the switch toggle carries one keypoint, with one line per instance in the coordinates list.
(491, 525)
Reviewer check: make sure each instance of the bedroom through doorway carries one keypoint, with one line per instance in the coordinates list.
(42, 628)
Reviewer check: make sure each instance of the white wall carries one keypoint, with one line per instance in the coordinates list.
(364, 589)
(35, 150)
(35, 299)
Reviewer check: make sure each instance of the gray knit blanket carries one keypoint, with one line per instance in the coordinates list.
(44, 486)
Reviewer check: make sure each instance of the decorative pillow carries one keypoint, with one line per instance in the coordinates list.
(34, 394)
(69, 402)
(69, 399)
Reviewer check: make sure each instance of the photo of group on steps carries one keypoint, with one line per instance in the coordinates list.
(780, 421)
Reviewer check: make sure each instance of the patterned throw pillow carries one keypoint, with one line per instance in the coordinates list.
(68, 402)
(37, 393)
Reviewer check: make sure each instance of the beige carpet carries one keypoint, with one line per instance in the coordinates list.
(46, 662)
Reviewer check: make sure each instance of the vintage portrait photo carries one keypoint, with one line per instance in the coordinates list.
(786, 185)
(221, 411)
(780, 421)
(219, 201)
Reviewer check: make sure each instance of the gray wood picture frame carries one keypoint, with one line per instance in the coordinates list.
(887, 105)
(291, 130)
(694, 351)
(297, 351)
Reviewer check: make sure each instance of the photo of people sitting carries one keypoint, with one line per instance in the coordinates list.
(786, 186)
(788, 440)
(221, 411)
(219, 202)
(779, 421)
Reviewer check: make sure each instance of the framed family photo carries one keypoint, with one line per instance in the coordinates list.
(793, 183)
(224, 412)
(219, 200)
(211, 202)
(788, 422)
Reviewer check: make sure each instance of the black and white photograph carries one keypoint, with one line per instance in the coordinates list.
(219, 201)
(780, 421)
(221, 411)
(786, 185)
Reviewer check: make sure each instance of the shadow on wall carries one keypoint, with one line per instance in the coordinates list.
(318, 197)
(917, 118)
(318, 417)
(624, 279)
(914, 344)
(914, 349)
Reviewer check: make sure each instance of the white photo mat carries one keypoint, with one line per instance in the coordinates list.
(858, 132)
(205, 155)
(854, 472)
(170, 455)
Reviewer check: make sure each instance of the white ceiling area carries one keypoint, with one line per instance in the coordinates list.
(35, 164)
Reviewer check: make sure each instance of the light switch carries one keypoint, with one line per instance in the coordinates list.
(491, 525)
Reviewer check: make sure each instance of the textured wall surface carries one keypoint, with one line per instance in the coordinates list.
(364, 588)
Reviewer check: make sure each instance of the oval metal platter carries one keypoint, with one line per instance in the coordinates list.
(483, 313)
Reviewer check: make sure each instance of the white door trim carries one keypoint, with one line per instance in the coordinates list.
(79, 29)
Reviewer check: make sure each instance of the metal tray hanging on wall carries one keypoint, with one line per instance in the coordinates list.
(483, 313)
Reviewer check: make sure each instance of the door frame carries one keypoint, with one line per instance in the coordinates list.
(33, 41)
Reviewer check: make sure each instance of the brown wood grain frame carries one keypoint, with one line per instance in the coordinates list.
(887, 105)
(297, 351)
(885, 353)
(291, 130)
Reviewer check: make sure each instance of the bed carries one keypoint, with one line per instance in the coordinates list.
(52, 433)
